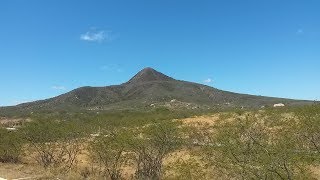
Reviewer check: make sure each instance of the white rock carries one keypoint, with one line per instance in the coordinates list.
(95, 135)
(279, 105)
(173, 100)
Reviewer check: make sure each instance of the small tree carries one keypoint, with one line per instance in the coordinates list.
(10, 146)
(309, 125)
(111, 151)
(155, 143)
(55, 143)
(247, 149)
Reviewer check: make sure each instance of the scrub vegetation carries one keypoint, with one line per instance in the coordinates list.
(270, 143)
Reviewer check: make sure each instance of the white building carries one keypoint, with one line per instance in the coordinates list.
(279, 105)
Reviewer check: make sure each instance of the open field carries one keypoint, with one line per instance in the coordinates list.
(273, 143)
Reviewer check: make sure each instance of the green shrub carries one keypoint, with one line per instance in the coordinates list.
(111, 152)
(11, 145)
(246, 148)
(156, 143)
(54, 143)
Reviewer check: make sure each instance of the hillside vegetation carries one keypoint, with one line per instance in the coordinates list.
(147, 90)
(273, 143)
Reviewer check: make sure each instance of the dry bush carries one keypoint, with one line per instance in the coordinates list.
(53, 144)
(11, 145)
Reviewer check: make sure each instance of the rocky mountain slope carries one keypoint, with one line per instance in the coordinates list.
(148, 89)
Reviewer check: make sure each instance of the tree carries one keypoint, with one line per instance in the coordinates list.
(11, 144)
(55, 143)
(155, 143)
(111, 150)
(248, 149)
(308, 131)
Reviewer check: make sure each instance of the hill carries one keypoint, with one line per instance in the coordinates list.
(148, 89)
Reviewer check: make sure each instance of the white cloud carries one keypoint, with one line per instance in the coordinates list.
(209, 80)
(58, 87)
(105, 68)
(97, 36)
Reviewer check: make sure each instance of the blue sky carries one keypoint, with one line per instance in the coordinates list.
(267, 48)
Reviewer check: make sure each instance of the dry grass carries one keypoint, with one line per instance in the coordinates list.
(200, 121)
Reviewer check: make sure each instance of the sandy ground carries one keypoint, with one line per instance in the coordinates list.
(17, 171)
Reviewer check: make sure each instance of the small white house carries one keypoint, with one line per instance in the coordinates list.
(11, 129)
(279, 105)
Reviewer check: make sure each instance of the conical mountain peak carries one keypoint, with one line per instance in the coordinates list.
(146, 88)
(149, 74)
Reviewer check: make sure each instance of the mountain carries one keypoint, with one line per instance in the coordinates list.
(148, 74)
(148, 89)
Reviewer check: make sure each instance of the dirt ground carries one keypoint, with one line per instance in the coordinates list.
(17, 171)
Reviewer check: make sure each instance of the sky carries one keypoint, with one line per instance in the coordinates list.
(50, 47)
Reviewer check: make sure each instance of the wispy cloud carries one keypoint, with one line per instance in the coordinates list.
(97, 36)
(59, 88)
(209, 80)
(300, 31)
(112, 67)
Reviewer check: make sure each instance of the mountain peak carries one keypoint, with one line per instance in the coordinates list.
(149, 74)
